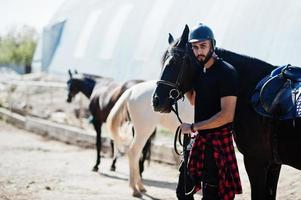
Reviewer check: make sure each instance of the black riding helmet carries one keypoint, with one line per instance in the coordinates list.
(201, 33)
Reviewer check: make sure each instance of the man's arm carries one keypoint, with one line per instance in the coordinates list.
(226, 115)
(190, 96)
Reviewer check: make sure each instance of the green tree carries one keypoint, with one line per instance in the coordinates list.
(18, 46)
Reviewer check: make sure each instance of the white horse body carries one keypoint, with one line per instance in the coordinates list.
(135, 103)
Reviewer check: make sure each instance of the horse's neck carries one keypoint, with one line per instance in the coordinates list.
(86, 88)
(250, 70)
(245, 65)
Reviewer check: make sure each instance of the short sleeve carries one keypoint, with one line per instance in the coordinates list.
(228, 81)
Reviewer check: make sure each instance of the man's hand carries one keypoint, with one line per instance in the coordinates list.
(185, 128)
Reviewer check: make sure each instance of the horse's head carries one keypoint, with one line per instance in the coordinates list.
(176, 76)
(72, 86)
(84, 83)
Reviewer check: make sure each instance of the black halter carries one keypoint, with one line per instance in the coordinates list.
(175, 93)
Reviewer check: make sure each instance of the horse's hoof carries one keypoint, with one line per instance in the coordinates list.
(143, 190)
(137, 194)
(113, 169)
(95, 169)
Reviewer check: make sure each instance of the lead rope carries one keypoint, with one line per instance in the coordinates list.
(186, 141)
(178, 131)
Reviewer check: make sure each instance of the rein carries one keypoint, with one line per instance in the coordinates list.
(178, 131)
(186, 141)
(175, 94)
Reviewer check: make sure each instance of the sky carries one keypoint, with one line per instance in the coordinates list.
(34, 13)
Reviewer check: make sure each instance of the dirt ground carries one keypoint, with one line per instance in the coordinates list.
(35, 168)
(32, 167)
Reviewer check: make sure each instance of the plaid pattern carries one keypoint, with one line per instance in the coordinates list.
(224, 155)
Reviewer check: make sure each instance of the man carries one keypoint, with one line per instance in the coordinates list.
(212, 162)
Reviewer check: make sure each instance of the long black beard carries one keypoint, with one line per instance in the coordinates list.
(207, 58)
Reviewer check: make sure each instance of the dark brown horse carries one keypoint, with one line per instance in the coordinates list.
(103, 94)
(265, 143)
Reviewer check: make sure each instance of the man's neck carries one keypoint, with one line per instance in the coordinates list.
(210, 62)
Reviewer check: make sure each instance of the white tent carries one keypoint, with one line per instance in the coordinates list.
(125, 39)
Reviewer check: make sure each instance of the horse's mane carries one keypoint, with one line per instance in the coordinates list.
(93, 76)
(250, 70)
(166, 52)
(236, 58)
(95, 79)
(92, 80)
(228, 56)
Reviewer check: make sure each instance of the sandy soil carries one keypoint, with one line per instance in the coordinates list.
(32, 167)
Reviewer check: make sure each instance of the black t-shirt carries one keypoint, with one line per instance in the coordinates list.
(218, 81)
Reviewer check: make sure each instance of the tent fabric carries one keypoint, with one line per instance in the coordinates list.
(125, 39)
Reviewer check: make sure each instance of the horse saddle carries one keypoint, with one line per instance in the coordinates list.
(278, 94)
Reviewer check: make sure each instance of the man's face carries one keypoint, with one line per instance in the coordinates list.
(201, 49)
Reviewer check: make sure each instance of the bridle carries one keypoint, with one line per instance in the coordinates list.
(175, 93)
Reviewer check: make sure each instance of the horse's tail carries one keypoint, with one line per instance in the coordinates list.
(117, 117)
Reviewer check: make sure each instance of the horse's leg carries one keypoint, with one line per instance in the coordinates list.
(141, 136)
(143, 157)
(146, 153)
(112, 148)
(115, 156)
(133, 165)
(257, 173)
(133, 155)
(97, 127)
(272, 181)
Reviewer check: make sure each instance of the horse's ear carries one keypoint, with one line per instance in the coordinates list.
(70, 73)
(185, 33)
(184, 37)
(170, 38)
